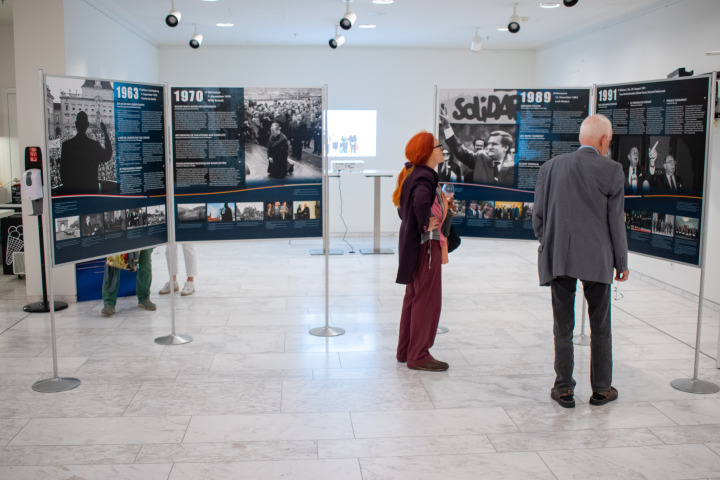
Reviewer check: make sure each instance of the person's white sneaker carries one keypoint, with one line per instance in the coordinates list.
(166, 289)
(188, 289)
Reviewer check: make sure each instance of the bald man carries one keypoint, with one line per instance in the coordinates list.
(579, 220)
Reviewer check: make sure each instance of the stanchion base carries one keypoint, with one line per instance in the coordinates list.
(326, 331)
(174, 339)
(56, 384)
(581, 340)
(376, 251)
(43, 307)
(693, 385)
(320, 251)
(442, 329)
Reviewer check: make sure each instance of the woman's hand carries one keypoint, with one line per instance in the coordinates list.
(433, 224)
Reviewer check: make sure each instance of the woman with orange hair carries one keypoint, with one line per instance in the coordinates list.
(422, 249)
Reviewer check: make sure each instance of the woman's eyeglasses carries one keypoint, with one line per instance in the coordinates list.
(438, 145)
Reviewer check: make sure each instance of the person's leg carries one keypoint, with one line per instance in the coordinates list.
(425, 314)
(144, 275)
(598, 299)
(563, 303)
(405, 317)
(110, 285)
(190, 269)
(190, 260)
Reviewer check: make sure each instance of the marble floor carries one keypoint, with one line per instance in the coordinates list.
(254, 396)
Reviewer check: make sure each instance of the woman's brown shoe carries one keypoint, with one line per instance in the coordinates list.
(431, 365)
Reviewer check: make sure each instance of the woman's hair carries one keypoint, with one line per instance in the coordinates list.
(418, 151)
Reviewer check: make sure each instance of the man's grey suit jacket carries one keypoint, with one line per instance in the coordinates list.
(579, 217)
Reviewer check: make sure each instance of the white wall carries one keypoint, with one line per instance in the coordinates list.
(648, 47)
(8, 145)
(7, 57)
(97, 45)
(398, 83)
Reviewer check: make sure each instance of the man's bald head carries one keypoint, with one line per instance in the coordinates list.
(596, 131)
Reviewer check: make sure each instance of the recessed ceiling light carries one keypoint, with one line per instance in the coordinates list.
(549, 5)
(383, 2)
(502, 29)
(367, 25)
(222, 24)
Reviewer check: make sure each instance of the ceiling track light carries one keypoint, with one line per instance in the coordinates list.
(514, 22)
(476, 44)
(347, 21)
(570, 3)
(196, 39)
(173, 18)
(337, 40)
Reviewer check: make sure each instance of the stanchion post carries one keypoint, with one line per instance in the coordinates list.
(173, 338)
(694, 384)
(327, 330)
(56, 383)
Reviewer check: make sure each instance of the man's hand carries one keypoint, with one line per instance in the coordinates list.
(444, 123)
(621, 277)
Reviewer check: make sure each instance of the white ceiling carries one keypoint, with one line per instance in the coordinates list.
(405, 23)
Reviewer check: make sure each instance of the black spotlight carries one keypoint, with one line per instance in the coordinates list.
(173, 18)
(196, 41)
(514, 22)
(570, 3)
(348, 20)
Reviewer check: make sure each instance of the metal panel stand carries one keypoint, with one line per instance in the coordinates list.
(173, 338)
(327, 330)
(376, 250)
(695, 385)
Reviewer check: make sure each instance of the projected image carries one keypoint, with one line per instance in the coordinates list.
(351, 133)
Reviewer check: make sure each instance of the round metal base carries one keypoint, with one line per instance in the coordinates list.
(57, 384)
(326, 331)
(174, 339)
(693, 385)
(442, 329)
(43, 307)
(581, 340)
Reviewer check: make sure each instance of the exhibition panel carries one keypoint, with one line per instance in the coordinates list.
(242, 164)
(494, 142)
(106, 160)
(660, 138)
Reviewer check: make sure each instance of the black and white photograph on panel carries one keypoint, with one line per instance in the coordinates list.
(527, 211)
(306, 210)
(249, 212)
(91, 224)
(687, 227)
(115, 221)
(156, 215)
(136, 217)
(459, 208)
(67, 228)
(220, 212)
(81, 136)
(663, 224)
(283, 134)
(191, 212)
